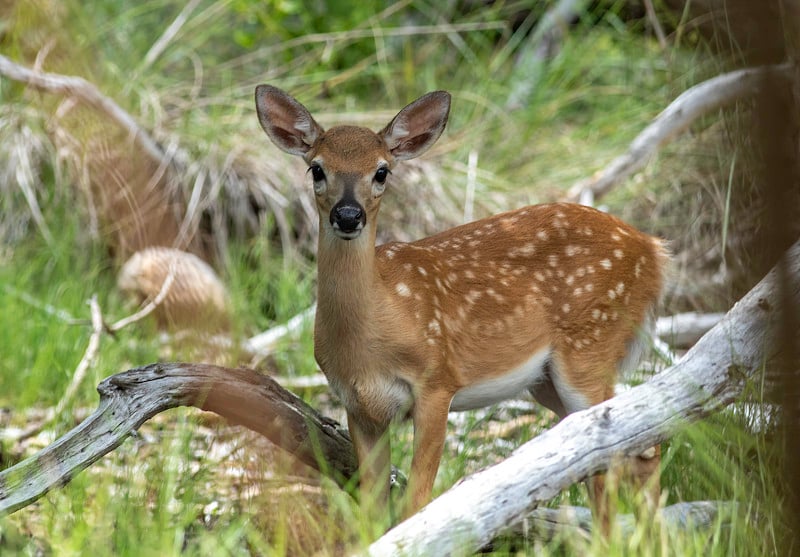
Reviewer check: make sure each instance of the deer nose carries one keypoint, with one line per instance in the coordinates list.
(348, 220)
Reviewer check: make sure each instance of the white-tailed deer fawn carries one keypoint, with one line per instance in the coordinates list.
(547, 298)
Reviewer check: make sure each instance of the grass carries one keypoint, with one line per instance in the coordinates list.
(186, 485)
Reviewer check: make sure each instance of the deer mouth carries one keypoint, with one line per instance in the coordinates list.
(348, 234)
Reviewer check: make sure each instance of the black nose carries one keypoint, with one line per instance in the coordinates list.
(348, 218)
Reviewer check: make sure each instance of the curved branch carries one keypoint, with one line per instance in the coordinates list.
(89, 94)
(679, 115)
(129, 399)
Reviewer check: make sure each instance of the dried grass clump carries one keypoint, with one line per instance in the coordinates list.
(25, 153)
(187, 291)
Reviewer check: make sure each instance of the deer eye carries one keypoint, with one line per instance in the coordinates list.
(317, 173)
(381, 174)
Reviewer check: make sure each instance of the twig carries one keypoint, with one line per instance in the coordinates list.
(679, 115)
(88, 359)
(264, 343)
(472, 179)
(657, 29)
(90, 355)
(150, 307)
(88, 93)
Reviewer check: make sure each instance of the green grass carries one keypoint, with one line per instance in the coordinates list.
(177, 488)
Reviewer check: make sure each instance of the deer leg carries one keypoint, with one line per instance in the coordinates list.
(430, 426)
(644, 473)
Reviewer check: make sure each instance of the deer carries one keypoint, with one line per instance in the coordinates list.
(552, 299)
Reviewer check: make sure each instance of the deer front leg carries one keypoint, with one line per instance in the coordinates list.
(374, 463)
(430, 425)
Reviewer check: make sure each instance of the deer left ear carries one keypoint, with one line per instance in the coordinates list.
(417, 127)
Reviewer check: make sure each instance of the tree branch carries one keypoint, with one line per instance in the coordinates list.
(129, 399)
(679, 115)
(89, 94)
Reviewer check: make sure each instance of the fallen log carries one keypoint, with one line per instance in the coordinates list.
(685, 329)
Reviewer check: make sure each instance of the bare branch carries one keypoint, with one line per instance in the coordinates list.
(679, 115)
(151, 305)
(89, 357)
(684, 329)
(129, 399)
(89, 94)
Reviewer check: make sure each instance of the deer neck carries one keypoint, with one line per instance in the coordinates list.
(347, 285)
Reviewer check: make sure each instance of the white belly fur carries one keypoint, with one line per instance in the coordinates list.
(511, 384)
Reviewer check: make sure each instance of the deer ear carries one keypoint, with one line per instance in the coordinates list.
(287, 122)
(417, 127)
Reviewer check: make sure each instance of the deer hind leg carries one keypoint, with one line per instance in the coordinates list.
(581, 383)
(641, 471)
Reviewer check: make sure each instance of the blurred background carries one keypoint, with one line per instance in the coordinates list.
(545, 94)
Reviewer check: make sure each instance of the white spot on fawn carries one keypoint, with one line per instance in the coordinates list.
(618, 253)
(402, 289)
(422, 271)
(552, 260)
(565, 308)
(527, 249)
(542, 235)
(620, 288)
(571, 250)
(605, 264)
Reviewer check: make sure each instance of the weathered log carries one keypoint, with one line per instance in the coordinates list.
(546, 524)
(129, 399)
(711, 375)
(684, 329)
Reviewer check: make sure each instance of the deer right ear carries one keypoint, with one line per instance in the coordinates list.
(287, 122)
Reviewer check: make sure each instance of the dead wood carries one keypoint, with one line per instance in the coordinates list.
(690, 105)
(547, 524)
(684, 329)
(129, 399)
(89, 94)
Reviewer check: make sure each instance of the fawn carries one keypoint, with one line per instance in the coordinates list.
(548, 298)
